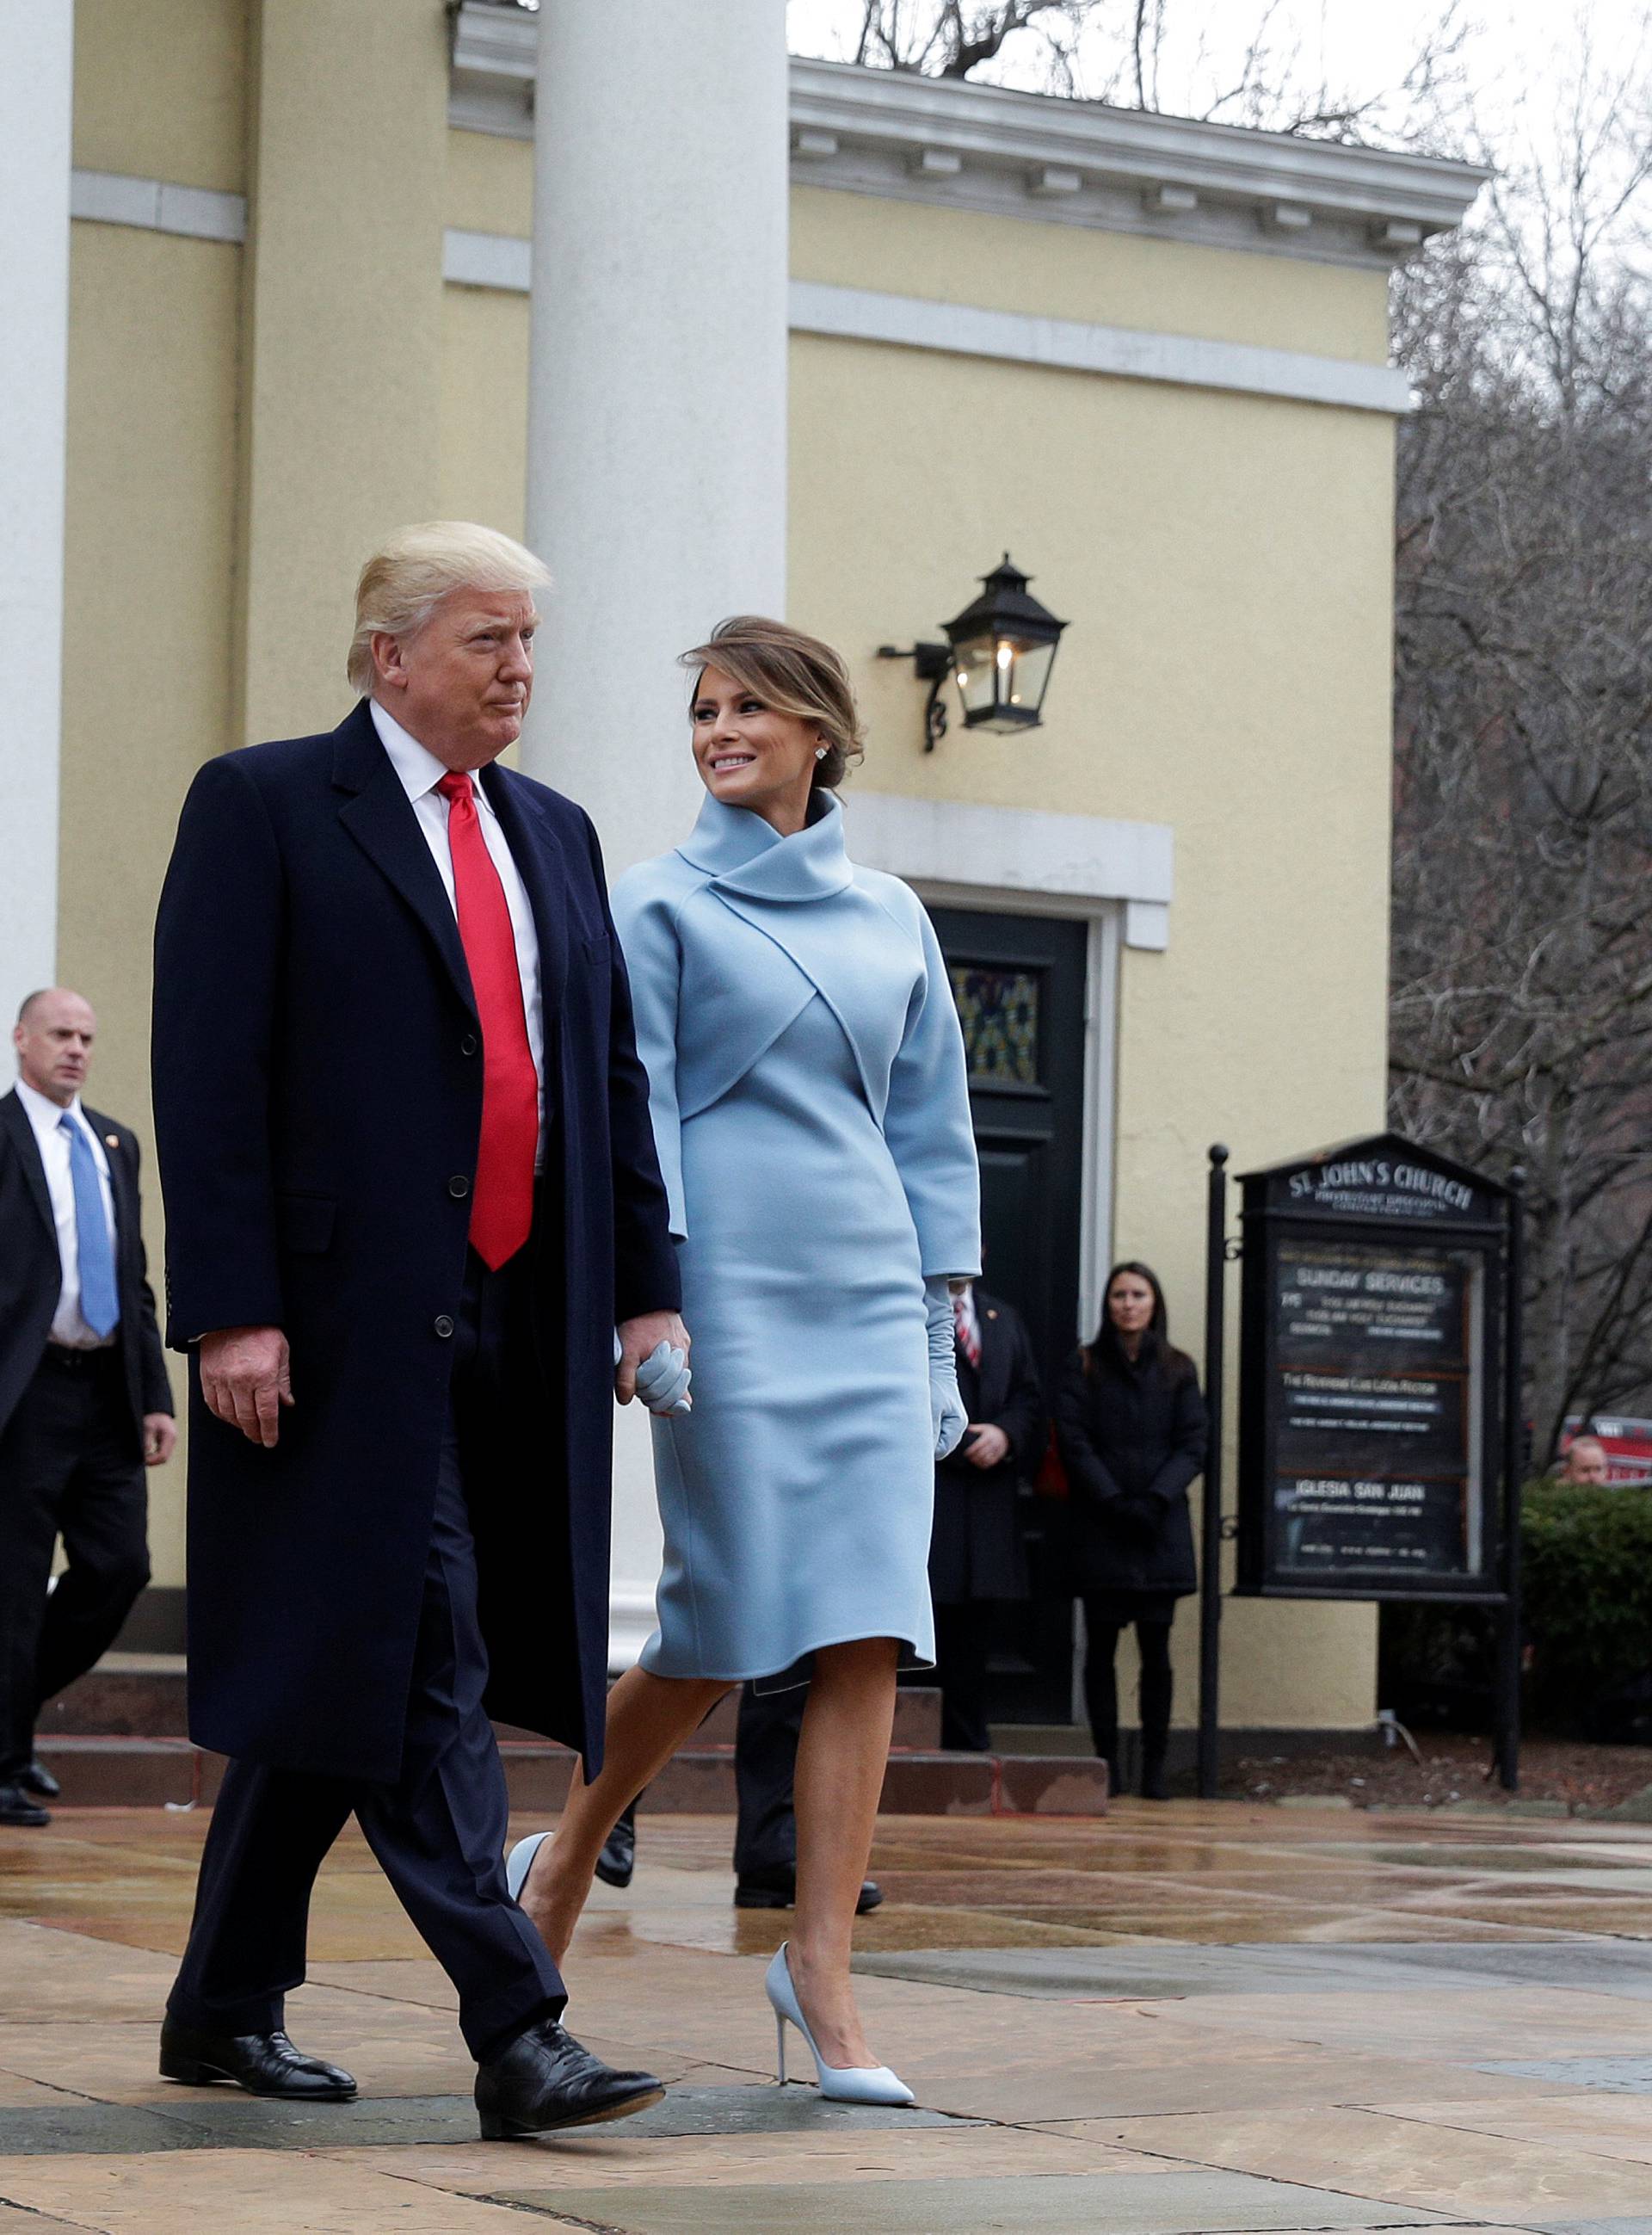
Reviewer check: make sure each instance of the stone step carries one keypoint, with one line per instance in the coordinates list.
(111, 1772)
(140, 1695)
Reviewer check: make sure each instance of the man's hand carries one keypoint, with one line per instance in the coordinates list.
(640, 1339)
(246, 1379)
(160, 1438)
(985, 1445)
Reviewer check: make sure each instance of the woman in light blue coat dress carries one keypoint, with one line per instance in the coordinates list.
(806, 1081)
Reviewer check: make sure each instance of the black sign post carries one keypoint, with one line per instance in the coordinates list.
(1379, 1376)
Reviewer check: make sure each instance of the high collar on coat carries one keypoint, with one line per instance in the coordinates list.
(743, 854)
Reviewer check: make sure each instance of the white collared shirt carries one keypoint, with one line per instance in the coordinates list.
(420, 773)
(67, 1326)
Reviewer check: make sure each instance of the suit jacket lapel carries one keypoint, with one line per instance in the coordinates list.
(380, 818)
(542, 866)
(16, 1119)
(125, 1195)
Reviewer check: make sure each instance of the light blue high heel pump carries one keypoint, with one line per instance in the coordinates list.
(520, 1861)
(838, 2083)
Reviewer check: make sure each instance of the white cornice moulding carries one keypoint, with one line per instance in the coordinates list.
(1067, 346)
(994, 150)
(157, 206)
(947, 847)
(495, 261)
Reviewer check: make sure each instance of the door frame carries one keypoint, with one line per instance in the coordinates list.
(1097, 1138)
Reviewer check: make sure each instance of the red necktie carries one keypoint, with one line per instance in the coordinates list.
(968, 1333)
(501, 1202)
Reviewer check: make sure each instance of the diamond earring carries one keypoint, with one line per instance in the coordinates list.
(820, 752)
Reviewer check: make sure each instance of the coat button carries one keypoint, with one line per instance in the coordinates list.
(469, 1044)
(458, 1186)
(443, 1326)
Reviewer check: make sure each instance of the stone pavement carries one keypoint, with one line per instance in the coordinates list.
(1182, 2020)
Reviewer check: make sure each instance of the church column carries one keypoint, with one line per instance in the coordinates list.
(36, 91)
(657, 438)
(656, 414)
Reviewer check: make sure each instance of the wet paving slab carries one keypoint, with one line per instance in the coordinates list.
(1192, 2020)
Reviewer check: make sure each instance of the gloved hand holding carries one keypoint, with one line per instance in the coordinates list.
(946, 1412)
(662, 1382)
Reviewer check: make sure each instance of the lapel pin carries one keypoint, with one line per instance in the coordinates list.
(113, 1140)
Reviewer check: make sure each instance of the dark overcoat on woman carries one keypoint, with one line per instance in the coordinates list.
(317, 1097)
(1133, 1436)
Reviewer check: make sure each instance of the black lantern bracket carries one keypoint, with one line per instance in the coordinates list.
(931, 664)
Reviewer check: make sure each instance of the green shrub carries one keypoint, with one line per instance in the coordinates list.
(1586, 1613)
(1587, 1588)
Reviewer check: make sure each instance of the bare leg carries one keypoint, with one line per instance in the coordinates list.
(841, 1760)
(649, 1718)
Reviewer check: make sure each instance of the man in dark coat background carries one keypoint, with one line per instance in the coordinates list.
(977, 1561)
(85, 1404)
(411, 1194)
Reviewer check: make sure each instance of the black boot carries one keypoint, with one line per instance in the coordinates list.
(619, 1856)
(1156, 1693)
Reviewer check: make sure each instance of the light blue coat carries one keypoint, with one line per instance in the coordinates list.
(811, 1111)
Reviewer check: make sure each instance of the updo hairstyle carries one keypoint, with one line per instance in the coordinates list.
(793, 673)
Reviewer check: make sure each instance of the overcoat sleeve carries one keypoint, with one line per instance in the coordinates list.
(1189, 1442)
(1022, 1419)
(646, 1275)
(647, 931)
(219, 937)
(1088, 1474)
(151, 1357)
(928, 1126)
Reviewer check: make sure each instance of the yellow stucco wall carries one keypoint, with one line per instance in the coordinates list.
(161, 90)
(243, 428)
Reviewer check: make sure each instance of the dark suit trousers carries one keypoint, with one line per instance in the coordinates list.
(766, 1768)
(69, 1467)
(438, 1831)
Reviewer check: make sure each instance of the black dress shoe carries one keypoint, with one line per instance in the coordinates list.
(778, 1890)
(35, 1777)
(263, 2063)
(17, 1807)
(545, 2080)
(618, 1857)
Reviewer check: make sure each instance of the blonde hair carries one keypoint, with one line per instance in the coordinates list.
(407, 578)
(795, 674)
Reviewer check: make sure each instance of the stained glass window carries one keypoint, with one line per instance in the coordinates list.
(998, 1010)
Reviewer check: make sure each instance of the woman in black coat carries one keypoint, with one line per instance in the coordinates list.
(1131, 1429)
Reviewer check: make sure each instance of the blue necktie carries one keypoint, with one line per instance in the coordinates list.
(100, 1303)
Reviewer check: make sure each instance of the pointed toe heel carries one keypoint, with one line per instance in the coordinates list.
(855, 2083)
(520, 1861)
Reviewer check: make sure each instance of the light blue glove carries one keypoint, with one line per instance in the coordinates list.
(946, 1412)
(662, 1382)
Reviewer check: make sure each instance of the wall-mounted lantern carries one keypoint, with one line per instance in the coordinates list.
(999, 652)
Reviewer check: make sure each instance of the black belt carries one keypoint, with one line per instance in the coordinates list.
(59, 1356)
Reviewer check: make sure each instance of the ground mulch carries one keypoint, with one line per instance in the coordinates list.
(1454, 1769)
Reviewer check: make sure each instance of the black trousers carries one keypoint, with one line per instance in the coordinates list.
(438, 1830)
(765, 1769)
(1101, 1685)
(963, 1641)
(70, 1466)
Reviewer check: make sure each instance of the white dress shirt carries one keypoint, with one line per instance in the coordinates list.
(67, 1326)
(420, 772)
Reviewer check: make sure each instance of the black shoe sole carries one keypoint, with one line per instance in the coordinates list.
(495, 2128)
(761, 1897)
(190, 2072)
(620, 1879)
(34, 1820)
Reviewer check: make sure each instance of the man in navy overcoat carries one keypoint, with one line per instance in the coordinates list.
(411, 1194)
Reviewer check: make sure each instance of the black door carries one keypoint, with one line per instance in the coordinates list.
(1020, 985)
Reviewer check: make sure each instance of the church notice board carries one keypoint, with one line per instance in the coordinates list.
(1371, 1369)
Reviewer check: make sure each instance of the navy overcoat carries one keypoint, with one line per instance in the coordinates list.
(318, 1095)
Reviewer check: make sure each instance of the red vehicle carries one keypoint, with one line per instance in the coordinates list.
(1627, 1444)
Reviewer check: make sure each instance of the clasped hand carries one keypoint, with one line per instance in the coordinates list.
(651, 1361)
